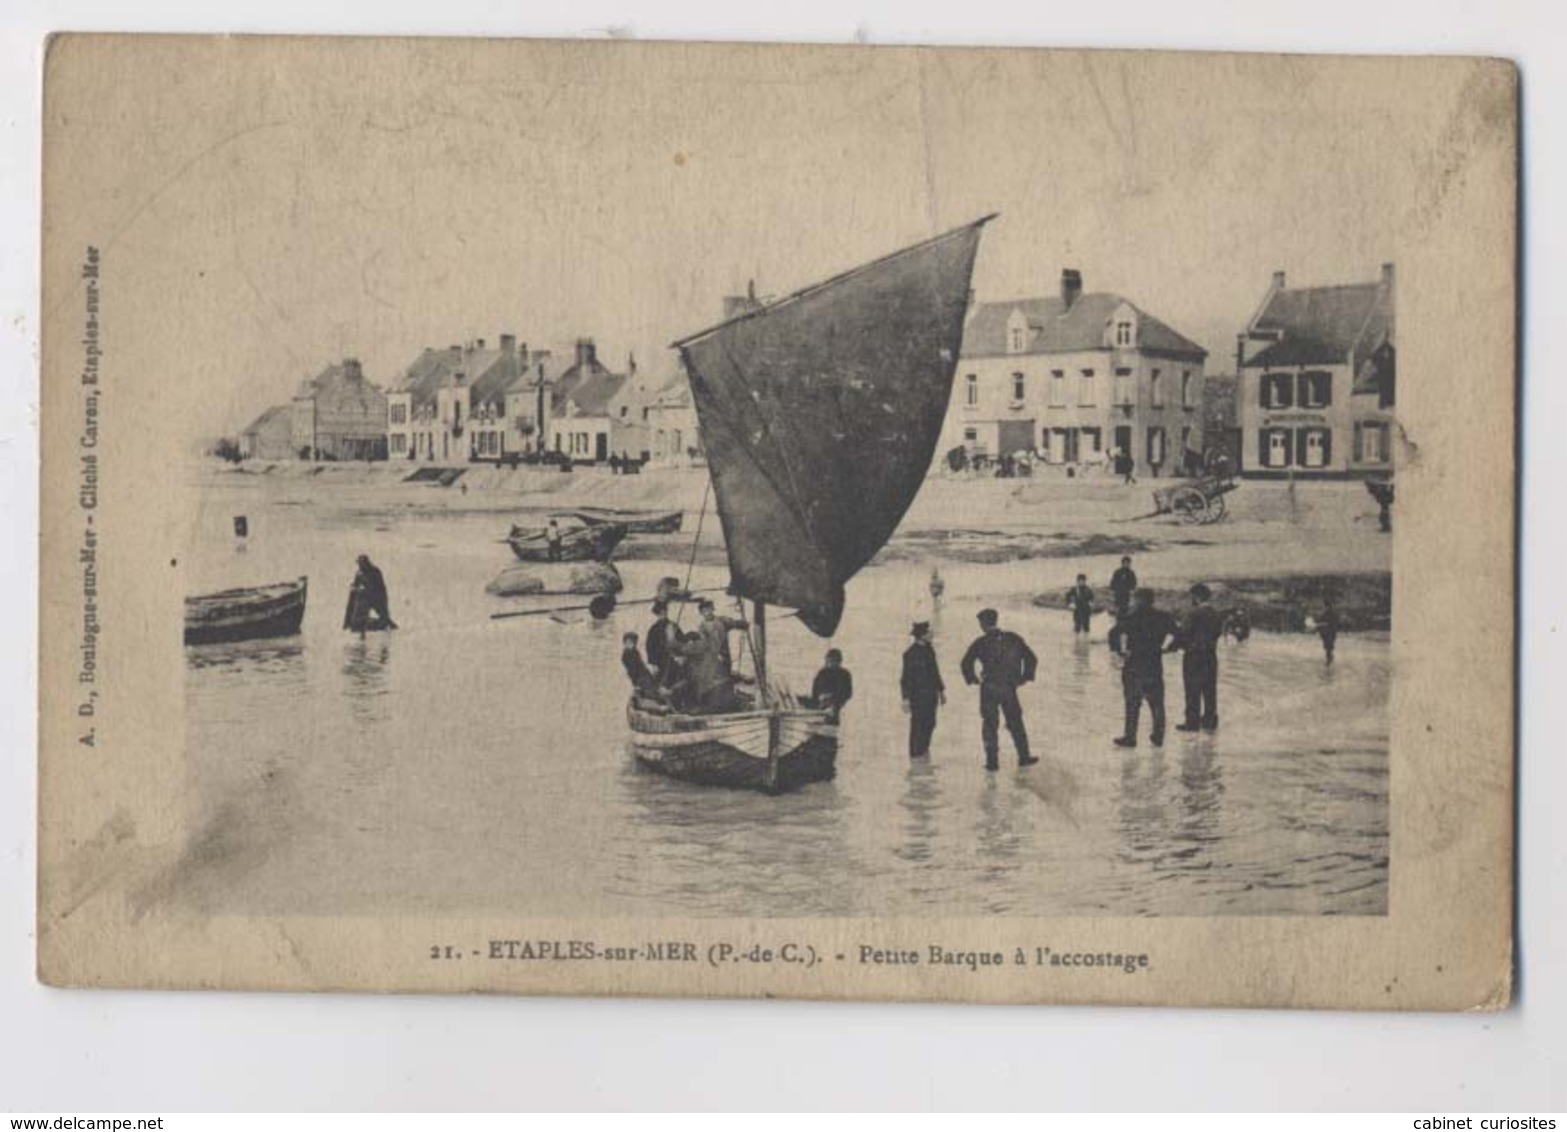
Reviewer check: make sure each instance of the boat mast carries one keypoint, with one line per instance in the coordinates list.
(759, 620)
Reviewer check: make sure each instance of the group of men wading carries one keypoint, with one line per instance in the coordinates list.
(1000, 662)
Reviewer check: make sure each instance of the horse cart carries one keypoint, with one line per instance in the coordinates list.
(1195, 501)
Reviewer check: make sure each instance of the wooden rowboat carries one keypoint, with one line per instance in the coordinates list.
(636, 522)
(768, 750)
(577, 544)
(248, 614)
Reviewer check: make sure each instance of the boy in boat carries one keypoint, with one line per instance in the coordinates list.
(923, 690)
(1143, 636)
(1080, 600)
(1122, 584)
(368, 604)
(833, 687)
(1004, 663)
(1200, 664)
(643, 682)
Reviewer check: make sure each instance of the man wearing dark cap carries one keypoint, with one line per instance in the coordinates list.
(1005, 662)
(1142, 637)
(1200, 664)
(1122, 584)
(923, 690)
(833, 686)
(659, 636)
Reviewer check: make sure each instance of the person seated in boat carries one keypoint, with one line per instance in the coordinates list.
(708, 662)
(833, 687)
(369, 607)
(643, 682)
(552, 536)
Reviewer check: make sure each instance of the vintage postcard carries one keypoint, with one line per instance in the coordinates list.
(612, 518)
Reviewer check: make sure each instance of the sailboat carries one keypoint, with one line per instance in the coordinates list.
(819, 414)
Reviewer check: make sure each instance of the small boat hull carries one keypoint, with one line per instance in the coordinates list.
(250, 614)
(636, 522)
(770, 751)
(585, 544)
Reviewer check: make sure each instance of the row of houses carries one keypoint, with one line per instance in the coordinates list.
(483, 401)
(1075, 379)
(1078, 379)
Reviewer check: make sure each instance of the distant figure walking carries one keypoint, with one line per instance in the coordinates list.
(833, 687)
(552, 536)
(1004, 662)
(1080, 600)
(1125, 467)
(1122, 583)
(1200, 664)
(1327, 628)
(368, 605)
(1238, 624)
(938, 585)
(923, 690)
(1142, 637)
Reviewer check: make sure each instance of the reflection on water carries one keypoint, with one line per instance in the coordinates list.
(465, 765)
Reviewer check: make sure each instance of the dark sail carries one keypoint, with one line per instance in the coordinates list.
(820, 415)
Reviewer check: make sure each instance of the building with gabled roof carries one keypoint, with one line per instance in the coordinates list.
(270, 436)
(1317, 376)
(339, 415)
(1073, 379)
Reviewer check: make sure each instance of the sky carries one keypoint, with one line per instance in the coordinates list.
(267, 207)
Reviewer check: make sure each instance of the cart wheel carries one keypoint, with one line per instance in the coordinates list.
(1189, 504)
(1216, 509)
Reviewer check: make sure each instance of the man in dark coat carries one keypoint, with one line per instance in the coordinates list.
(1142, 637)
(659, 636)
(368, 604)
(1327, 628)
(1080, 600)
(642, 680)
(1200, 664)
(833, 687)
(1122, 583)
(923, 690)
(1005, 662)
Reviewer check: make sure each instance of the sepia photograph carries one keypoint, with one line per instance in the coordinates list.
(741, 519)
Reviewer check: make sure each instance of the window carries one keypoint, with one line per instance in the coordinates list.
(1314, 447)
(971, 390)
(1186, 438)
(1058, 388)
(1277, 391)
(1085, 389)
(624, 409)
(1015, 341)
(1188, 390)
(400, 443)
(1314, 389)
(1093, 443)
(1019, 388)
(399, 413)
(1274, 447)
(1123, 387)
(1123, 334)
(970, 436)
(1370, 442)
(1156, 446)
(1155, 390)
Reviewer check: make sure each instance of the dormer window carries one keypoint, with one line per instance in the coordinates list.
(1123, 334)
(1015, 342)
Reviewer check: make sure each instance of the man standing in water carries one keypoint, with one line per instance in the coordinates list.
(368, 604)
(1327, 627)
(1080, 600)
(1200, 664)
(923, 690)
(1142, 637)
(1005, 662)
(1122, 583)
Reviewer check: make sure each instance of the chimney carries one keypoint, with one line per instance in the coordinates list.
(631, 365)
(1278, 280)
(1387, 276)
(1071, 287)
(351, 369)
(587, 356)
(509, 344)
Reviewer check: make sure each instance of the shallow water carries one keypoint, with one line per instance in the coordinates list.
(461, 764)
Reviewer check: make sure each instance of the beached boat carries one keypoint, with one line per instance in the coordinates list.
(247, 614)
(577, 544)
(779, 392)
(636, 522)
